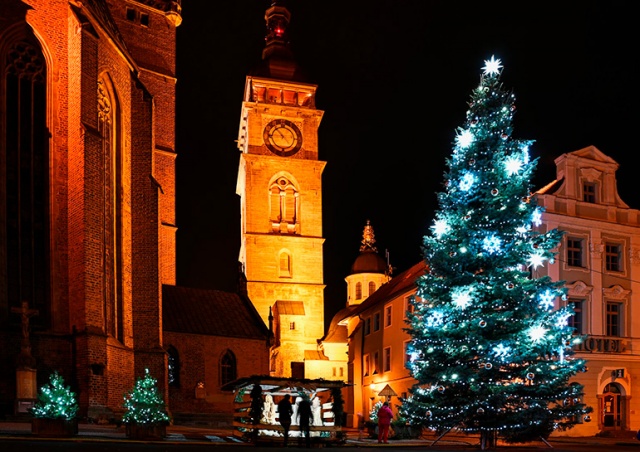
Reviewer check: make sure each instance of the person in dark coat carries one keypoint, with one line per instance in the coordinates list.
(285, 410)
(305, 418)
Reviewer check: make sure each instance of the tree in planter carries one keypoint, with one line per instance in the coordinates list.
(55, 401)
(144, 405)
(55, 411)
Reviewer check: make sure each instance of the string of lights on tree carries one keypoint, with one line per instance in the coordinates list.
(491, 345)
(144, 404)
(55, 400)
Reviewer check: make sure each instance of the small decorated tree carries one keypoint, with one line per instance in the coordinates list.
(55, 410)
(55, 401)
(145, 408)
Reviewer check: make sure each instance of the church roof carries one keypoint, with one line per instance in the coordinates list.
(210, 312)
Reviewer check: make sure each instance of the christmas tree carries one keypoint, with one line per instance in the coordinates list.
(491, 346)
(55, 401)
(144, 405)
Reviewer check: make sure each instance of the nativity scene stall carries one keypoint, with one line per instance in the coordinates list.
(256, 408)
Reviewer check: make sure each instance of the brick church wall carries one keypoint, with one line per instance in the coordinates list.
(199, 358)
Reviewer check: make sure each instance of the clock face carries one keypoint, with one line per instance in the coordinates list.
(282, 137)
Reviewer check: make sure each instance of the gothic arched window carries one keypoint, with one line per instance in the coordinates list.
(228, 368)
(24, 180)
(173, 364)
(112, 213)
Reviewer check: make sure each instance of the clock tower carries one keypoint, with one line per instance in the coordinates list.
(280, 186)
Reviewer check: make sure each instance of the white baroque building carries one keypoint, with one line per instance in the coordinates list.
(599, 261)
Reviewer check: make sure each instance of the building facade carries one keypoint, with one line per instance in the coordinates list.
(599, 261)
(87, 170)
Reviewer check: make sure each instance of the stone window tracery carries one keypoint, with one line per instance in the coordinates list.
(284, 206)
(113, 304)
(24, 177)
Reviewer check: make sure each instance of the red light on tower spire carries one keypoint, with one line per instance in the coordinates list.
(277, 18)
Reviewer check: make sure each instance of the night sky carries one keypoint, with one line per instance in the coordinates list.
(394, 78)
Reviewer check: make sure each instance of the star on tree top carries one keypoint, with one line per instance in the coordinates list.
(492, 66)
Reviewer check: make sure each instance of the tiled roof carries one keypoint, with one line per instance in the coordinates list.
(210, 312)
(314, 355)
(337, 332)
(286, 307)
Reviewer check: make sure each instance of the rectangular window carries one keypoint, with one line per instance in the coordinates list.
(376, 321)
(386, 359)
(342, 371)
(574, 252)
(576, 320)
(376, 361)
(387, 315)
(367, 326)
(613, 257)
(366, 364)
(335, 371)
(614, 318)
(589, 192)
(292, 325)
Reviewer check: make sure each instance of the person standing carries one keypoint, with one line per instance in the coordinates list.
(384, 422)
(305, 417)
(285, 410)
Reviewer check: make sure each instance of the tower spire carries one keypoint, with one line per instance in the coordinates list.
(368, 239)
(277, 38)
(277, 57)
